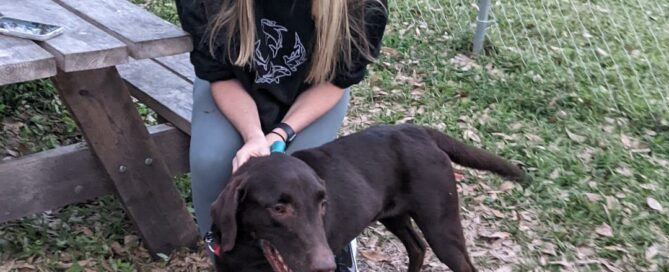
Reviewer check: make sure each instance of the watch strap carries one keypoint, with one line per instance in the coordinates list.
(290, 133)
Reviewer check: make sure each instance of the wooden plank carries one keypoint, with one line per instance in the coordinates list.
(23, 60)
(81, 47)
(71, 174)
(146, 34)
(179, 64)
(162, 90)
(103, 109)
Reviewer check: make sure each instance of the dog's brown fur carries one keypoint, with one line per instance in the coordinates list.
(387, 173)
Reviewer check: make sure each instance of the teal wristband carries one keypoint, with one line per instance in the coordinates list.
(278, 147)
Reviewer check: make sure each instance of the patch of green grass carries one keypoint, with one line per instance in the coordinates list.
(33, 119)
(618, 146)
(166, 9)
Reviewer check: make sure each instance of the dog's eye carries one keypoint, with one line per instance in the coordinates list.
(320, 195)
(280, 208)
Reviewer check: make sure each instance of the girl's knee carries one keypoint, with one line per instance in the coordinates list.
(212, 152)
(210, 160)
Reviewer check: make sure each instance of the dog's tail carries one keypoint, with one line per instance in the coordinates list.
(476, 158)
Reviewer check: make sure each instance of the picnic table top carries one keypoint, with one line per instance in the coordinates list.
(97, 34)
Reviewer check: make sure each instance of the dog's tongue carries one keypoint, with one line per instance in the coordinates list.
(272, 255)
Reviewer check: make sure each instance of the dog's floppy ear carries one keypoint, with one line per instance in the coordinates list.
(224, 211)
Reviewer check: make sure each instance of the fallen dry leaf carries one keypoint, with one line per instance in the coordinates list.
(471, 134)
(506, 268)
(533, 137)
(61, 265)
(130, 241)
(602, 52)
(604, 230)
(117, 248)
(654, 204)
(616, 248)
(575, 137)
(106, 266)
(548, 248)
(553, 102)
(651, 252)
(64, 257)
(12, 153)
(627, 141)
(86, 231)
(608, 129)
(463, 62)
(610, 266)
(593, 197)
(459, 177)
(504, 136)
(374, 255)
(507, 185)
(555, 174)
(494, 72)
(389, 51)
(584, 252)
(612, 203)
(648, 186)
(624, 171)
(497, 213)
(13, 128)
(84, 263)
(496, 235)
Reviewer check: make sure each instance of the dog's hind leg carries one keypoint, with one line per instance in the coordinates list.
(443, 231)
(401, 227)
(437, 214)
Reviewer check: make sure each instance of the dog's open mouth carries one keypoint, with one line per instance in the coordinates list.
(274, 257)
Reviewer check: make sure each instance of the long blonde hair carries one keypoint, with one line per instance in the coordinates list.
(339, 27)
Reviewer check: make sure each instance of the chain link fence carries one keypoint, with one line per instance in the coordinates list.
(617, 49)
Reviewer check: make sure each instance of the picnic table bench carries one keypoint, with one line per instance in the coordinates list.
(110, 50)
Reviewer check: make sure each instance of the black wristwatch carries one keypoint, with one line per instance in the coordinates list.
(290, 133)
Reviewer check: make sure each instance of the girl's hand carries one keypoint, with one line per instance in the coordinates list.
(255, 147)
(272, 137)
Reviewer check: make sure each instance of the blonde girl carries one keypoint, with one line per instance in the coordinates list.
(267, 71)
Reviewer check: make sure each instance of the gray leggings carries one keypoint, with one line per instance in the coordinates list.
(214, 142)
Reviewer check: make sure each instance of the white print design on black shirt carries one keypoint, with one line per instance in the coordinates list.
(267, 70)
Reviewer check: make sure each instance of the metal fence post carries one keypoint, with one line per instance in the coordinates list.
(481, 26)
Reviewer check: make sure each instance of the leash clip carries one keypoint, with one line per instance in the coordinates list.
(211, 245)
(278, 147)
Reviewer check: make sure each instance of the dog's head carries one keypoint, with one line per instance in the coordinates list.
(279, 202)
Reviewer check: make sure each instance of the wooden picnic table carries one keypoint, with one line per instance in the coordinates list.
(120, 155)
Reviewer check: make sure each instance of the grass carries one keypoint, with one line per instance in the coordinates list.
(580, 100)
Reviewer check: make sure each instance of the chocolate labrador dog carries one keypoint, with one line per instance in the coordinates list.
(290, 213)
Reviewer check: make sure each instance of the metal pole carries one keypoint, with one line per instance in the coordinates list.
(481, 26)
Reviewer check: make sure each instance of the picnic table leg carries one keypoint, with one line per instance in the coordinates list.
(103, 109)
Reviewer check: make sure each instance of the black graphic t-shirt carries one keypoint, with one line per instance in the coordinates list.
(284, 41)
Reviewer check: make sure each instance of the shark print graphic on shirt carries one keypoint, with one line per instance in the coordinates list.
(270, 68)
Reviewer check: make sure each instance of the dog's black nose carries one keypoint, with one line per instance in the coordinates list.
(322, 260)
(327, 265)
(328, 269)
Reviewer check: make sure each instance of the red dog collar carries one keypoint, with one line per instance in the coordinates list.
(213, 247)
